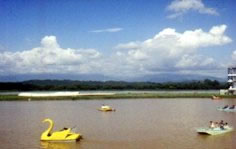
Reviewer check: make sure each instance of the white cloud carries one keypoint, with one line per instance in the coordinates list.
(50, 58)
(130, 45)
(109, 30)
(179, 7)
(173, 51)
(194, 62)
(167, 51)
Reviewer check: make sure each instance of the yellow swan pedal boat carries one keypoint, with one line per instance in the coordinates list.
(106, 108)
(63, 135)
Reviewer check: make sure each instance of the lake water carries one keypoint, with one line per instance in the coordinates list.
(136, 124)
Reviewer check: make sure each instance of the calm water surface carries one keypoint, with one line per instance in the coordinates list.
(136, 124)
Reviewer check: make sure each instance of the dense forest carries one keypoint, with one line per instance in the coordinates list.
(59, 85)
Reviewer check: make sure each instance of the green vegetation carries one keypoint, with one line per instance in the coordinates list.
(63, 85)
(68, 85)
(116, 96)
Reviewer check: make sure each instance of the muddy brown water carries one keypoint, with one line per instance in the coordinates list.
(136, 124)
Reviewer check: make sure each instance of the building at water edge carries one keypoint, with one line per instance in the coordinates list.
(232, 79)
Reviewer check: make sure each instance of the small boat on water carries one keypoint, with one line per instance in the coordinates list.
(226, 109)
(215, 97)
(214, 131)
(106, 108)
(63, 135)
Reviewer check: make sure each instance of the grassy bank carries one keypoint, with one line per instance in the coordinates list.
(116, 96)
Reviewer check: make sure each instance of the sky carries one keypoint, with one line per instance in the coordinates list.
(120, 39)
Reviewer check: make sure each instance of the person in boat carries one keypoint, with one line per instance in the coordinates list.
(225, 107)
(226, 126)
(232, 107)
(221, 122)
(212, 124)
(217, 125)
(221, 125)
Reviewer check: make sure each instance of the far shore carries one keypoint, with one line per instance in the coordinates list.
(91, 96)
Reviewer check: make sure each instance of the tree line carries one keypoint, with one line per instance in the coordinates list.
(70, 85)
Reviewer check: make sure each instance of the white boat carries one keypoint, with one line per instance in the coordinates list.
(226, 109)
(214, 131)
(106, 108)
(215, 97)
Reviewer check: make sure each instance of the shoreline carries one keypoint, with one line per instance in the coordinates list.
(98, 96)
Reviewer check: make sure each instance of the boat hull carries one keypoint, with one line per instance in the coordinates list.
(105, 110)
(71, 138)
(226, 110)
(209, 131)
(216, 98)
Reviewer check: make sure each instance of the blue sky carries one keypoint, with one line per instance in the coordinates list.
(117, 38)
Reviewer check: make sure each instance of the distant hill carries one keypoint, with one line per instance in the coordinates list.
(56, 85)
(96, 77)
(176, 78)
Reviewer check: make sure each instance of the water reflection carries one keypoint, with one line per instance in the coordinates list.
(57, 145)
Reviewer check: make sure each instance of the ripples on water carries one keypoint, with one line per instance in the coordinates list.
(137, 123)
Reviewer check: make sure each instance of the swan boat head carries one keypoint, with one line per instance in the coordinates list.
(63, 135)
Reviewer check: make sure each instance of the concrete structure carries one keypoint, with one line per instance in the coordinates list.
(48, 94)
(62, 93)
(232, 79)
(224, 92)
